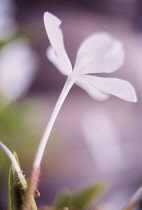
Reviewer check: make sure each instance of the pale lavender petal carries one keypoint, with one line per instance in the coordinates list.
(112, 86)
(99, 53)
(52, 26)
(52, 56)
(91, 90)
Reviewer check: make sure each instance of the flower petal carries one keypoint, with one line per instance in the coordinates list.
(52, 26)
(52, 56)
(91, 90)
(112, 86)
(99, 53)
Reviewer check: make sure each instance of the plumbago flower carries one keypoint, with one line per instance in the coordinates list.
(98, 53)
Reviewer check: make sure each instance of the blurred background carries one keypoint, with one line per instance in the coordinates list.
(91, 141)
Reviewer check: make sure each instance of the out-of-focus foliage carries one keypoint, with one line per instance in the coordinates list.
(80, 199)
(18, 130)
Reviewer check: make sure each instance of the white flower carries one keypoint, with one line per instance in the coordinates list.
(17, 69)
(99, 53)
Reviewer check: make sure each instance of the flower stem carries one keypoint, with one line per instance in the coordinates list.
(134, 200)
(69, 83)
(39, 155)
(14, 162)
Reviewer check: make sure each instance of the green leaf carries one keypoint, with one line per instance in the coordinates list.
(17, 190)
(46, 208)
(78, 200)
(82, 198)
(64, 199)
(51, 208)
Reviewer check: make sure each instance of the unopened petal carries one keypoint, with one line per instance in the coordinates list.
(52, 26)
(99, 53)
(112, 86)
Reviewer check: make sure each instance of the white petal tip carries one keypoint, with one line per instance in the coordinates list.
(47, 14)
(134, 99)
(51, 19)
(131, 94)
(131, 97)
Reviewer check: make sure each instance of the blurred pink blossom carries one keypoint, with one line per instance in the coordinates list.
(17, 69)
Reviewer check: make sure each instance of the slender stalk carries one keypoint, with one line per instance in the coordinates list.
(134, 200)
(39, 155)
(14, 162)
(44, 140)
